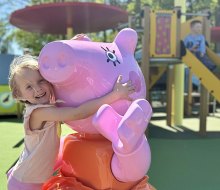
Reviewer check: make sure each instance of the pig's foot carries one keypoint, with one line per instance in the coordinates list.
(106, 121)
(145, 106)
(133, 125)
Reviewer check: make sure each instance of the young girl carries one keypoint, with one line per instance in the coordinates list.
(42, 121)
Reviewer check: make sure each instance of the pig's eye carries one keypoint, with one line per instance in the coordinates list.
(111, 56)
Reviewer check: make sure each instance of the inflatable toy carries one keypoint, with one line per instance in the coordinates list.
(109, 150)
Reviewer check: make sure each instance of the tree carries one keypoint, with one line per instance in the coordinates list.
(2, 34)
(197, 6)
(6, 29)
(32, 41)
(35, 41)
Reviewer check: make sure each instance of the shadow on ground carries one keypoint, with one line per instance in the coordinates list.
(161, 133)
(10, 118)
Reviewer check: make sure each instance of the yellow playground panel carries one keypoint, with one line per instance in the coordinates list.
(8, 106)
(163, 34)
(7, 103)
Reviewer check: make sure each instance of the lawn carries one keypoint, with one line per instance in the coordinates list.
(185, 164)
(11, 133)
(179, 161)
(11, 130)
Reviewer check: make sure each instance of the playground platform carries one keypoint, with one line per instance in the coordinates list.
(190, 124)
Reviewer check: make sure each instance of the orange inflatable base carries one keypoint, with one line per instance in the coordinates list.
(71, 183)
(87, 166)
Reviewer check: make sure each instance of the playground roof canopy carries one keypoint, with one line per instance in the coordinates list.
(54, 18)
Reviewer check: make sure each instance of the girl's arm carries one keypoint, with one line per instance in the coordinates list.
(120, 91)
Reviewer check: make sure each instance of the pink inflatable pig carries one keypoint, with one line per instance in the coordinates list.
(81, 70)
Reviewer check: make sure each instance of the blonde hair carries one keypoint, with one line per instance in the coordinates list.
(24, 61)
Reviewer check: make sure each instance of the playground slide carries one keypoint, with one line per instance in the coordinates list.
(207, 78)
(213, 56)
(154, 77)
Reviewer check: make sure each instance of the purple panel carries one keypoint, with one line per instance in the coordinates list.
(163, 33)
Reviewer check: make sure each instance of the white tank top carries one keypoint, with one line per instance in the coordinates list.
(41, 147)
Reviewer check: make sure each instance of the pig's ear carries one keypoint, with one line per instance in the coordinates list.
(127, 40)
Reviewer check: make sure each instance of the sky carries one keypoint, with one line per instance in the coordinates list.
(6, 8)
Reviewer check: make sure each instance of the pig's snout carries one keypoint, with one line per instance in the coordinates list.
(58, 69)
(55, 66)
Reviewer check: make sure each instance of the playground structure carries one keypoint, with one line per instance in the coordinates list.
(68, 22)
(8, 106)
(162, 47)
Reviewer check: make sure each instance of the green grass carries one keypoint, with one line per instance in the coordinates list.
(11, 131)
(178, 163)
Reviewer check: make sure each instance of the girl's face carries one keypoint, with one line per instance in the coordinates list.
(33, 87)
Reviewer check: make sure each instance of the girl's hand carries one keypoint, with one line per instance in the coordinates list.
(78, 37)
(81, 37)
(122, 90)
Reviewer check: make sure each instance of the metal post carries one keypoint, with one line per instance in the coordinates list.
(170, 96)
(145, 63)
(203, 110)
(189, 95)
(131, 23)
(178, 80)
(69, 33)
(204, 93)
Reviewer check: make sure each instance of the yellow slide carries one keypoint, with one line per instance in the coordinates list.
(207, 78)
(154, 77)
(213, 56)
